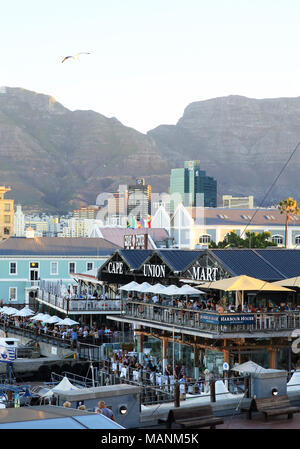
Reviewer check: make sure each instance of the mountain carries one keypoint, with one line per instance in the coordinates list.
(56, 159)
(244, 143)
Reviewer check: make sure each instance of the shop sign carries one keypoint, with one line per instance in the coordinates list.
(136, 241)
(208, 274)
(211, 318)
(227, 319)
(154, 270)
(115, 267)
(247, 318)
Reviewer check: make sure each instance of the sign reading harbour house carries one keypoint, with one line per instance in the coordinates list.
(227, 319)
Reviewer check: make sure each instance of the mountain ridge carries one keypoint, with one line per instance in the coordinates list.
(56, 159)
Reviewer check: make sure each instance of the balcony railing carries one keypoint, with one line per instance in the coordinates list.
(213, 321)
(79, 305)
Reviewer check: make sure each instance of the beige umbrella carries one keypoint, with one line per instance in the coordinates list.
(244, 283)
(290, 282)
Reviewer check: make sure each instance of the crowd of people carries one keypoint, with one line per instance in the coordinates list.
(212, 303)
(95, 334)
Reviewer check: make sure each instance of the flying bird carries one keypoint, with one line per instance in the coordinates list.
(75, 56)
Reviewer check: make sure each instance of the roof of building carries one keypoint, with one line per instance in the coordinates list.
(270, 264)
(116, 235)
(251, 262)
(57, 246)
(53, 417)
(228, 216)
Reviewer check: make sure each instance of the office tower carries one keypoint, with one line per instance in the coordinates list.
(192, 186)
(139, 200)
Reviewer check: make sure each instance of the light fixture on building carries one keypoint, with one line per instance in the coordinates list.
(274, 392)
(123, 410)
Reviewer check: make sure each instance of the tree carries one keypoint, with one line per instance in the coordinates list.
(288, 207)
(252, 240)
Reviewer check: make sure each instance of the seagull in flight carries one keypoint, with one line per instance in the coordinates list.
(76, 56)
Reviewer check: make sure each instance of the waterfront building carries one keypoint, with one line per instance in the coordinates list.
(207, 339)
(25, 261)
(245, 202)
(6, 214)
(139, 200)
(192, 187)
(196, 227)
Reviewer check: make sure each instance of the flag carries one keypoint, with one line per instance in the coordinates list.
(133, 223)
(127, 224)
(142, 223)
(139, 224)
(149, 221)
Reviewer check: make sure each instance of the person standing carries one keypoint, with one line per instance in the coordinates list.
(74, 339)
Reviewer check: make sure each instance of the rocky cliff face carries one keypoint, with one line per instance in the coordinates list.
(56, 159)
(242, 142)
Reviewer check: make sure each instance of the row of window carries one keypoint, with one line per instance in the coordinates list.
(13, 268)
(206, 238)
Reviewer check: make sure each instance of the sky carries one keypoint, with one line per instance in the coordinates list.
(149, 59)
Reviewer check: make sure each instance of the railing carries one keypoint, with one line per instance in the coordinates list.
(213, 321)
(87, 345)
(78, 304)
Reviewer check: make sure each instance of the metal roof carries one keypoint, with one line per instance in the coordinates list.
(179, 260)
(285, 260)
(53, 417)
(249, 262)
(56, 246)
(135, 257)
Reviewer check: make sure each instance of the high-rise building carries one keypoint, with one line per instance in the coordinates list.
(86, 212)
(117, 207)
(19, 225)
(192, 187)
(139, 200)
(6, 214)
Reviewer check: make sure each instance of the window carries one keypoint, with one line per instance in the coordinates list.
(6, 218)
(7, 207)
(12, 293)
(205, 238)
(89, 266)
(54, 268)
(72, 267)
(297, 239)
(12, 267)
(6, 231)
(277, 239)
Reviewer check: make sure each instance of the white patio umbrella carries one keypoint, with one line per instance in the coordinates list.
(26, 311)
(188, 290)
(171, 290)
(129, 287)
(157, 288)
(37, 317)
(45, 316)
(143, 288)
(10, 311)
(53, 320)
(68, 322)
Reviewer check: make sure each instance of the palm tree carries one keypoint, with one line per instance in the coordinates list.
(288, 207)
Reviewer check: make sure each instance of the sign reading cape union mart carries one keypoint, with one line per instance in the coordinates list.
(227, 319)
